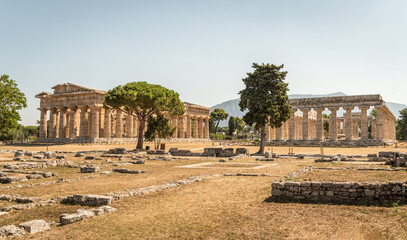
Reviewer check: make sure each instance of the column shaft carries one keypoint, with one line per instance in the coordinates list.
(119, 124)
(129, 126)
(305, 123)
(107, 131)
(83, 132)
(195, 128)
(72, 123)
(188, 132)
(320, 125)
(206, 132)
(94, 132)
(43, 123)
(333, 130)
(348, 123)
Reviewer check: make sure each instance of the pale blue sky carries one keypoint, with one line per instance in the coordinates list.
(202, 49)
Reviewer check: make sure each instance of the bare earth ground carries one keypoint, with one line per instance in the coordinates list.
(226, 207)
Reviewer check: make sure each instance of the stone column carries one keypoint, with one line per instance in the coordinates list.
(56, 126)
(107, 133)
(200, 128)
(380, 123)
(83, 132)
(348, 122)
(101, 122)
(195, 129)
(62, 123)
(52, 122)
(206, 132)
(72, 122)
(119, 124)
(129, 126)
(305, 121)
(174, 124)
(267, 131)
(94, 131)
(374, 128)
(279, 133)
(181, 126)
(291, 131)
(188, 132)
(333, 131)
(43, 123)
(319, 125)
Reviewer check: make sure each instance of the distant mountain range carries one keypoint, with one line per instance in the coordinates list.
(233, 109)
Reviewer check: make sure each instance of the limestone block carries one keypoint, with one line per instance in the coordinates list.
(35, 226)
(66, 219)
(11, 231)
(90, 169)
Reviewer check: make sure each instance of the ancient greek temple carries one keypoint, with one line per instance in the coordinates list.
(307, 122)
(76, 113)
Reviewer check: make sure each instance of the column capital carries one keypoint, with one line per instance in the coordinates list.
(348, 108)
(333, 109)
(319, 109)
(305, 109)
(294, 109)
(364, 107)
(83, 107)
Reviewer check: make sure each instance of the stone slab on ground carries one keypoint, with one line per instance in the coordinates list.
(35, 226)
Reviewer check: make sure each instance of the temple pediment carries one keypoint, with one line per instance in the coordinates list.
(71, 88)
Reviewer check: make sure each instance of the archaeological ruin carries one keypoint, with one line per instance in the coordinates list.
(77, 114)
(306, 125)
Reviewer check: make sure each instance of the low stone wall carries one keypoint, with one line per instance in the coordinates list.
(211, 152)
(88, 200)
(340, 192)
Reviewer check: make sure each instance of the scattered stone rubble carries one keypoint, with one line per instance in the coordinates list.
(81, 214)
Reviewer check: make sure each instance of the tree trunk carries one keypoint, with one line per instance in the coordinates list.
(216, 127)
(262, 140)
(140, 139)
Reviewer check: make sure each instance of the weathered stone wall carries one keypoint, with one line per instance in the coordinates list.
(340, 192)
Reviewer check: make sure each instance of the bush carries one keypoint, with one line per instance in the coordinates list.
(218, 137)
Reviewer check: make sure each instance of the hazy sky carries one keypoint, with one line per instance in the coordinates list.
(202, 49)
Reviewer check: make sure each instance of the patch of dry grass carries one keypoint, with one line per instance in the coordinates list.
(226, 207)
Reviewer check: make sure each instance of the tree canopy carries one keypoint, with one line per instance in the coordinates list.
(158, 128)
(265, 97)
(11, 101)
(401, 125)
(218, 114)
(142, 100)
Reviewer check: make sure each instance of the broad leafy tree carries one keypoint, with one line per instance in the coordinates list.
(265, 97)
(218, 115)
(11, 101)
(158, 128)
(401, 125)
(142, 100)
(240, 124)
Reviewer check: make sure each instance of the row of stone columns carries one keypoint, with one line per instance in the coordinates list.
(98, 122)
(307, 128)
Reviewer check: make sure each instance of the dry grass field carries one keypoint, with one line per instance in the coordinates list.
(224, 207)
